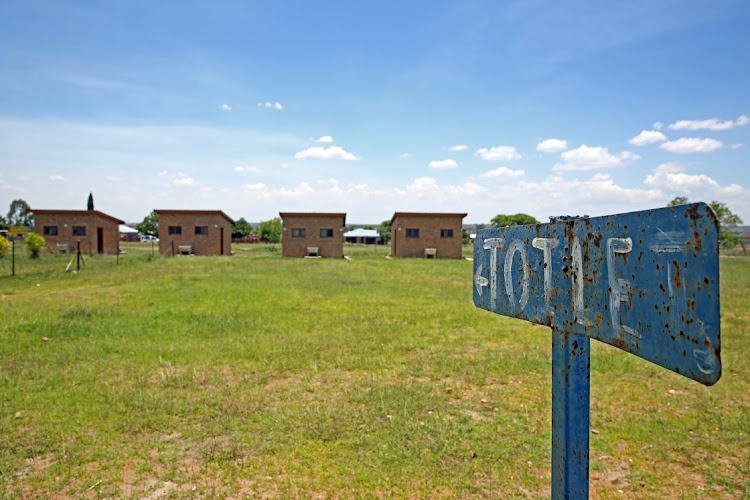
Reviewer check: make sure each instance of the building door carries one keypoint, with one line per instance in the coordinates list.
(100, 240)
(221, 242)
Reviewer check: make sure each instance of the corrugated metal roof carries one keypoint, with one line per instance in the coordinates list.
(209, 212)
(77, 212)
(313, 214)
(426, 214)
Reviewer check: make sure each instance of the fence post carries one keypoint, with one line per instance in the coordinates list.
(172, 248)
(78, 256)
(13, 255)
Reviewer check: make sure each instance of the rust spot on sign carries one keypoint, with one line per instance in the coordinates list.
(697, 243)
(677, 279)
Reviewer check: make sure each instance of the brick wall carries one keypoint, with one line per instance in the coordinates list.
(102, 234)
(430, 227)
(210, 243)
(332, 247)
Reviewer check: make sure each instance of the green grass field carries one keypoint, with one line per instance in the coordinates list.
(263, 377)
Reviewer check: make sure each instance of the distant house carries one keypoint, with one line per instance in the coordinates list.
(312, 234)
(127, 233)
(435, 235)
(366, 236)
(63, 229)
(195, 232)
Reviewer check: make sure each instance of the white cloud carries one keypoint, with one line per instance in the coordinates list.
(329, 153)
(552, 146)
(428, 188)
(112, 178)
(443, 164)
(503, 173)
(657, 126)
(647, 137)
(57, 178)
(184, 180)
(736, 146)
(226, 107)
(672, 179)
(254, 187)
(498, 153)
(671, 176)
(692, 145)
(591, 158)
(458, 147)
(248, 170)
(163, 173)
(325, 139)
(267, 104)
(711, 124)
(404, 156)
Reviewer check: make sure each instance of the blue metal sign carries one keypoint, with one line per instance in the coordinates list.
(645, 282)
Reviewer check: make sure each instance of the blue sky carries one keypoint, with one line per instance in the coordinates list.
(547, 108)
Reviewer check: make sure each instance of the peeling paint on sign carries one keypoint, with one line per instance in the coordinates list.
(645, 282)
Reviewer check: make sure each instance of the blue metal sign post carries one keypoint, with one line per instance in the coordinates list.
(645, 282)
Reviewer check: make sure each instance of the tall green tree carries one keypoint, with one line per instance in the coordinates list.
(90, 203)
(20, 214)
(3, 222)
(385, 231)
(513, 220)
(149, 224)
(680, 200)
(727, 221)
(241, 228)
(270, 230)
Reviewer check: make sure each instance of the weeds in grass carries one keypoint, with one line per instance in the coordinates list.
(258, 376)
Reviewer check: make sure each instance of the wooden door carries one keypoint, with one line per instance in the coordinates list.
(100, 240)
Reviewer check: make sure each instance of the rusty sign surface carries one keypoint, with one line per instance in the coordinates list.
(645, 282)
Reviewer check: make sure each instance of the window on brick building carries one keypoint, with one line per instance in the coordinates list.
(79, 230)
(326, 233)
(175, 230)
(201, 230)
(412, 233)
(298, 232)
(52, 230)
(446, 233)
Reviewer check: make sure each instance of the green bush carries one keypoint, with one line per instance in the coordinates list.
(4, 246)
(34, 243)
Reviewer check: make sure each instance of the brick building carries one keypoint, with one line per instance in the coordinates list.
(312, 234)
(63, 229)
(426, 235)
(198, 232)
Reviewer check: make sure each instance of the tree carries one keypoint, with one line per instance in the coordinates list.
(241, 228)
(34, 243)
(90, 204)
(680, 200)
(385, 231)
(4, 245)
(3, 222)
(727, 221)
(149, 225)
(513, 220)
(270, 230)
(20, 214)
